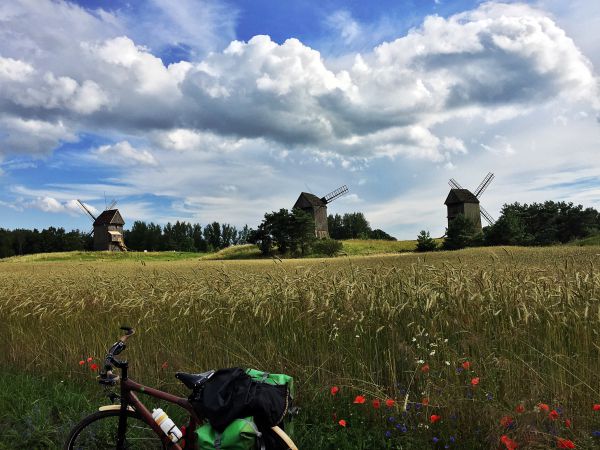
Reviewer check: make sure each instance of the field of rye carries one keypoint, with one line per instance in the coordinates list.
(481, 348)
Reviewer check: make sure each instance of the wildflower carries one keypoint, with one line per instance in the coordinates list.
(435, 440)
(82, 362)
(596, 433)
(568, 423)
(376, 403)
(342, 423)
(425, 368)
(164, 365)
(543, 407)
(334, 390)
(391, 419)
(90, 359)
(388, 434)
(506, 421)
(475, 381)
(360, 399)
(389, 403)
(434, 418)
(553, 415)
(425, 401)
(508, 442)
(432, 353)
(520, 408)
(447, 363)
(489, 396)
(565, 443)
(466, 365)
(94, 366)
(596, 407)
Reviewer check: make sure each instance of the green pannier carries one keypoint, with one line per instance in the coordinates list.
(241, 434)
(276, 379)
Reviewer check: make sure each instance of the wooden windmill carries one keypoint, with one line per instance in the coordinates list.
(462, 201)
(108, 228)
(317, 208)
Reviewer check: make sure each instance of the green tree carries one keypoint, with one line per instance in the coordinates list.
(425, 242)
(459, 234)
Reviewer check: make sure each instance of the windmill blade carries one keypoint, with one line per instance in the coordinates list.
(454, 184)
(342, 190)
(112, 205)
(484, 184)
(86, 209)
(91, 232)
(486, 215)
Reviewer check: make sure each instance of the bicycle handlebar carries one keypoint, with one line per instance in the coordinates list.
(106, 375)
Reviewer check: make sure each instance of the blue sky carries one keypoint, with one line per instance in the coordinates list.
(204, 110)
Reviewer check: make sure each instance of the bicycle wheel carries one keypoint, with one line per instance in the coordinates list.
(99, 431)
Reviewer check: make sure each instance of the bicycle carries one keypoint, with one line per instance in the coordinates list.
(128, 424)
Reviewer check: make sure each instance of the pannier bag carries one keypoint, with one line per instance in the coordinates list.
(241, 434)
(233, 393)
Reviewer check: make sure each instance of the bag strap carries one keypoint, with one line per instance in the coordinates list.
(217, 442)
(259, 438)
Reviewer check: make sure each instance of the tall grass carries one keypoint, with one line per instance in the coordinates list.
(526, 319)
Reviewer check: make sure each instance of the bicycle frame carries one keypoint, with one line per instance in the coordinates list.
(129, 399)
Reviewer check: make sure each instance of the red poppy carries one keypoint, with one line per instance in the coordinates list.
(543, 407)
(475, 381)
(506, 421)
(376, 403)
(82, 362)
(164, 365)
(434, 418)
(568, 423)
(90, 359)
(466, 365)
(508, 442)
(565, 443)
(342, 423)
(425, 368)
(94, 366)
(334, 390)
(389, 403)
(596, 407)
(520, 408)
(553, 415)
(360, 399)
(425, 401)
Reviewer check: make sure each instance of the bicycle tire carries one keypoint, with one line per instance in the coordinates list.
(98, 431)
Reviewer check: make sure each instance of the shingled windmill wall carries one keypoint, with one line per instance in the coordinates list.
(462, 201)
(317, 208)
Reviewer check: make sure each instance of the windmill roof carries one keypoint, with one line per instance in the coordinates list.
(460, 196)
(109, 217)
(307, 199)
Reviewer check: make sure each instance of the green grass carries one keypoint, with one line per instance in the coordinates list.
(592, 240)
(360, 247)
(86, 256)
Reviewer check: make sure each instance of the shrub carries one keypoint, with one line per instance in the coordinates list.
(327, 246)
(425, 242)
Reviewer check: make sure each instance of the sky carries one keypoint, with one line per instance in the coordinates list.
(214, 110)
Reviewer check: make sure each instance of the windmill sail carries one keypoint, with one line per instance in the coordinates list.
(342, 190)
(486, 215)
(85, 208)
(484, 184)
(454, 184)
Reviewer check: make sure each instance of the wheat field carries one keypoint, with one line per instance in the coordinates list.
(525, 320)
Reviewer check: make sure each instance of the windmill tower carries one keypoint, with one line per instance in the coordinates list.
(462, 201)
(317, 208)
(108, 228)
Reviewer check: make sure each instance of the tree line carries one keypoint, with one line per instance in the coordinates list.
(534, 224)
(180, 236)
(354, 226)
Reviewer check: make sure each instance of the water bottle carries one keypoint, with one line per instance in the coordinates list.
(166, 424)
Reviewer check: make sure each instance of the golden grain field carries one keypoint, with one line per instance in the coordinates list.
(526, 319)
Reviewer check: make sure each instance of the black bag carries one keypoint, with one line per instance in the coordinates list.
(223, 398)
(232, 394)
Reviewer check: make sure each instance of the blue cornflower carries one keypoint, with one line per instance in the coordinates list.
(391, 419)
(596, 433)
(435, 440)
(452, 439)
(388, 434)
(418, 406)
(489, 396)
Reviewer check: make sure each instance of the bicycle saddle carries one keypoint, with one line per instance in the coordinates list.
(193, 380)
